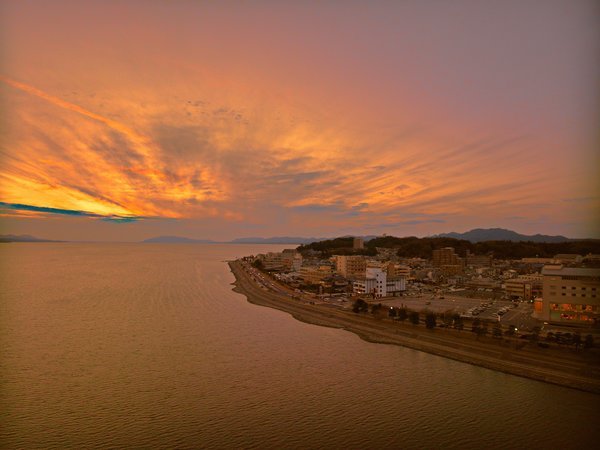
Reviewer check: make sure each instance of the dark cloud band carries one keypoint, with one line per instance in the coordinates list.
(69, 212)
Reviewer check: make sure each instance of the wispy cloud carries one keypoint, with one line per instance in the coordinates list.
(7, 207)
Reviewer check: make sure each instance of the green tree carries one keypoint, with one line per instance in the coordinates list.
(414, 317)
(430, 320)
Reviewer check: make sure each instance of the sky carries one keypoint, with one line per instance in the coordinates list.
(126, 120)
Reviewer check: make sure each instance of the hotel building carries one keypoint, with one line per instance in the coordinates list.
(570, 295)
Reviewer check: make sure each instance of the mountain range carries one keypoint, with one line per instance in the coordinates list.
(501, 234)
(475, 235)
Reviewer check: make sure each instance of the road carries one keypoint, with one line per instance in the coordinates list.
(514, 356)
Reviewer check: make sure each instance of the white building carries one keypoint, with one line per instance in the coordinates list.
(377, 283)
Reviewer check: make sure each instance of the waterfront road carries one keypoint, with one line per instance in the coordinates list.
(556, 365)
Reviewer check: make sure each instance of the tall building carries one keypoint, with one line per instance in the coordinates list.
(570, 295)
(445, 256)
(448, 261)
(350, 266)
(358, 243)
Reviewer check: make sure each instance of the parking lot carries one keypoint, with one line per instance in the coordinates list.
(504, 311)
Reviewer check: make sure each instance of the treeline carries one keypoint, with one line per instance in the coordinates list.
(337, 246)
(414, 247)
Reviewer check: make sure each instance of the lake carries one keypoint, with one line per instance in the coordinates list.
(145, 345)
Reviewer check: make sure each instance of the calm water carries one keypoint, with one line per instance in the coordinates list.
(145, 345)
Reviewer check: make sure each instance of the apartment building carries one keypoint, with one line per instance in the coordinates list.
(448, 261)
(570, 295)
(350, 266)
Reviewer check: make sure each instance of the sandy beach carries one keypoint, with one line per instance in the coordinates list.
(561, 366)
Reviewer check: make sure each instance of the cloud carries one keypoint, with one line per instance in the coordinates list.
(285, 163)
(67, 212)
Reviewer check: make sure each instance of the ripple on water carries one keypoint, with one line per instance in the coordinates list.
(132, 345)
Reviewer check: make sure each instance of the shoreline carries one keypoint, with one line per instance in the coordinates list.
(556, 366)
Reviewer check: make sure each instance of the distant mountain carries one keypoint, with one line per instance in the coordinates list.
(275, 240)
(501, 234)
(177, 240)
(22, 238)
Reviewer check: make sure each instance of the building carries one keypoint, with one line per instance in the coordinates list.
(351, 266)
(570, 295)
(315, 274)
(398, 270)
(540, 261)
(286, 261)
(569, 258)
(358, 243)
(377, 283)
(292, 260)
(478, 260)
(448, 261)
(524, 287)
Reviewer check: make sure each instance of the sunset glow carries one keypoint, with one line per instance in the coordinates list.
(238, 119)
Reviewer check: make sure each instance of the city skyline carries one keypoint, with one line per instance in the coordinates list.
(124, 121)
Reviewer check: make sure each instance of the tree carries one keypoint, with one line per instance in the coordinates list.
(497, 330)
(414, 317)
(511, 330)
(458, 322)
(482, 330)
(430, 320)
(402, 314)
(376, 308)
(360, 306)
(577, 340)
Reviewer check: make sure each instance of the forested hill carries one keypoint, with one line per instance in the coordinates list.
(423, 247)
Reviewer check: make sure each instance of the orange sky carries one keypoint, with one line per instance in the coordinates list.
(262, 119)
